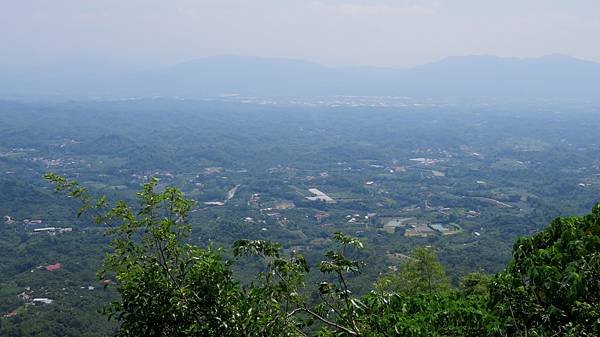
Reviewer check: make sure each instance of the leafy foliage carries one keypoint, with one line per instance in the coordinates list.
(552, 284)
(430, 314)
(283, 281)
(420, 273)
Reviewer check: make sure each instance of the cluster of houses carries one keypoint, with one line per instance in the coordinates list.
(35, 226)
(254, 200)
(27, 296)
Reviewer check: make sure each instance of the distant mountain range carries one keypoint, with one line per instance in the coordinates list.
(553, 77)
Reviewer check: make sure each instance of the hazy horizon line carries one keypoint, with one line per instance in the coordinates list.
(103, 61)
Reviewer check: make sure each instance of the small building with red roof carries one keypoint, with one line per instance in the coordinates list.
(54, 267)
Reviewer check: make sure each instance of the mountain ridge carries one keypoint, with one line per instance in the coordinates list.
(552, 76)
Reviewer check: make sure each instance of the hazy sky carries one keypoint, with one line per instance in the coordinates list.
(394, 33)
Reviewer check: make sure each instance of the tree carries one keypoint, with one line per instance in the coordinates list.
(339, 311)
(421, 272)
(418, 300)
(448, 313)
(167, 286)
(475, 284)
(552, 285)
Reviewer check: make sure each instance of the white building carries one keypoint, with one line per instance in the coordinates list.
(43, 300)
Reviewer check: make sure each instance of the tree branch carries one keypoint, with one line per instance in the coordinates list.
(326, 321)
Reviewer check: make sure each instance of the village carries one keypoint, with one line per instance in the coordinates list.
(453, 199)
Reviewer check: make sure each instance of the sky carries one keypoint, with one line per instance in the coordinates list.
(387, 33)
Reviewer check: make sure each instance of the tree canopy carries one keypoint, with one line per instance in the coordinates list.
(552, 285)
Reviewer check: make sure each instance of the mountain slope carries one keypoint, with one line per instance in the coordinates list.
(467, 77)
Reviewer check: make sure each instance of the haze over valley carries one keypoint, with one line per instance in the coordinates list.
(348, 168)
